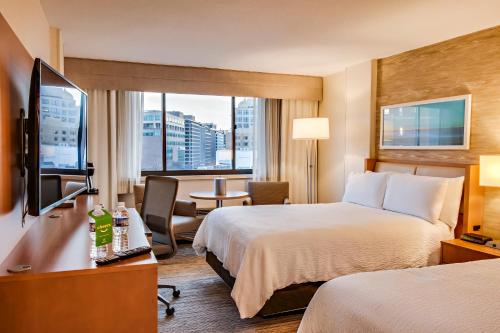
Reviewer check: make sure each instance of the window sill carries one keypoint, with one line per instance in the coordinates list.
(207, 177)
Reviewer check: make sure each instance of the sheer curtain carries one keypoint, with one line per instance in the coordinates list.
(277, 157)
(293, 165)
(266, 166)
(115, 141)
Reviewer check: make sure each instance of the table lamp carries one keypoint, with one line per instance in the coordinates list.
(489, 175)
(489, 170)
(310, 130)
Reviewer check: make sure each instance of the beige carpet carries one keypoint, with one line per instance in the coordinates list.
(205, 304)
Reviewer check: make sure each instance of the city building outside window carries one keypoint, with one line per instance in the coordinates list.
(195, 134)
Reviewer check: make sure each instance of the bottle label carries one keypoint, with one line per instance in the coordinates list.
(103, 228)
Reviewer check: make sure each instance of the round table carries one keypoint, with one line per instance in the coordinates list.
(210, 195)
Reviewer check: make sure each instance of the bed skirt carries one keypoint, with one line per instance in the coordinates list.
(293, 298)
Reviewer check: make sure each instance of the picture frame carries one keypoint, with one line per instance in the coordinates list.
(432, 124)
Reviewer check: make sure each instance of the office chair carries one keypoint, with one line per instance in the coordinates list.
(50, 188)
(157, 210)
(267, 193)
(185, 219)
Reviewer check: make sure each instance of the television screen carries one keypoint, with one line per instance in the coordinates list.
(62, 115)
(57, 140)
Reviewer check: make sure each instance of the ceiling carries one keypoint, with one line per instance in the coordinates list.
(311, 37)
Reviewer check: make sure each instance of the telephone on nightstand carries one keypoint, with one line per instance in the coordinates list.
(493, 244)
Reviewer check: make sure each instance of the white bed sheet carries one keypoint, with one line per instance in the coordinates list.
(449, 298)
(267, 248)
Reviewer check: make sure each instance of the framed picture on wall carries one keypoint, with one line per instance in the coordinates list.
(442, 123)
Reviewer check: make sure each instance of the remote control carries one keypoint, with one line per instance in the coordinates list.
(133, 252)
(107, 260)
(123, 255)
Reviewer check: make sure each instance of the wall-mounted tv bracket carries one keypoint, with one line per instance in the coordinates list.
(24, 133)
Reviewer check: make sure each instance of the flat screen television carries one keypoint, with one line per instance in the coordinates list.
(57, 140)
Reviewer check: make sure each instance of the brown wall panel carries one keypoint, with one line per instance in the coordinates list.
(468, 64)
(15, 74)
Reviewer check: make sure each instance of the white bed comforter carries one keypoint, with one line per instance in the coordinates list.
(449, 298)
(267, 248)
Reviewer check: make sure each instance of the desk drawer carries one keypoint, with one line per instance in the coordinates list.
(453, 254)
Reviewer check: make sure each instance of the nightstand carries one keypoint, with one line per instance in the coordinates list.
(457, 250)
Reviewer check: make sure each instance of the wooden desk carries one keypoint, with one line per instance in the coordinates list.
(217, 197)
(65, 291)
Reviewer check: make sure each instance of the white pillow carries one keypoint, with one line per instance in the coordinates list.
(452, 199)
(367, 189)
(420, 196)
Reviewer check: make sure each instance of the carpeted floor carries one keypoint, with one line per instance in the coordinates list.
(205, 304)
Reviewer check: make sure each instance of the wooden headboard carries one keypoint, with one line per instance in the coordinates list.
(470, 218)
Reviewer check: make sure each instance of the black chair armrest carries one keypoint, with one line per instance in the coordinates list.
(185, 208)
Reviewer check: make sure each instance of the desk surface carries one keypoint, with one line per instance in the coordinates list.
(62, 245)
(210, 195)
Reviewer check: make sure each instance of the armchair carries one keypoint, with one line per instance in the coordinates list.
(267, 193)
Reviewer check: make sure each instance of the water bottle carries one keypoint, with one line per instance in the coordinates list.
(101, 251)
(120, 228)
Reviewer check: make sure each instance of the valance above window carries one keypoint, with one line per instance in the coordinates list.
(127, 76)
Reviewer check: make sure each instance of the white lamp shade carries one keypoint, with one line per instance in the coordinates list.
(311, 129)
(489, 170)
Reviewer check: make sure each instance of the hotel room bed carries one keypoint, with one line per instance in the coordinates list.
(275, 257)
(267, 248)
(447, 298)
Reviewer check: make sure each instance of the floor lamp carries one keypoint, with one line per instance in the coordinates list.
(310, 130)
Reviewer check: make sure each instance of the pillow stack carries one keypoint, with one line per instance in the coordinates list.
(433, 199)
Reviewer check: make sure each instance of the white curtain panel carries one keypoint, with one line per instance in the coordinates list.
(293, 164)
(114, 141)
(259, 149)
(129, 143)
(267, 130)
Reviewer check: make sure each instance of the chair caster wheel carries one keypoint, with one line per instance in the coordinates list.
(170, 311)
(176, 293)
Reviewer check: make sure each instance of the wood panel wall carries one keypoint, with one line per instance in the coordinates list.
(468, 64)
(118, 75)
(15, 73)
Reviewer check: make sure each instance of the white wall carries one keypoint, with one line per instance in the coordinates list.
(28, 20)
(348, 101)
(359, 116)
(331, 152)
(30, 25)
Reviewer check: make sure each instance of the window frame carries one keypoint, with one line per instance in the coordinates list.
(165, 172)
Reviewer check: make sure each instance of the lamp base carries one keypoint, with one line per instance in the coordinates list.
(92, 191)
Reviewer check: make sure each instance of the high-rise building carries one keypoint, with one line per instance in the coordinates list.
(220, 139)
(60, 116)
(176, 140)
(244, 119)
(193, 146)
(152, 141)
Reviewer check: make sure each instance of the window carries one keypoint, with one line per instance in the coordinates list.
(152, 138)
(197, 134)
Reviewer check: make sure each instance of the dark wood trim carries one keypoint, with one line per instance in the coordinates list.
(233, 132)
(163, 131)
